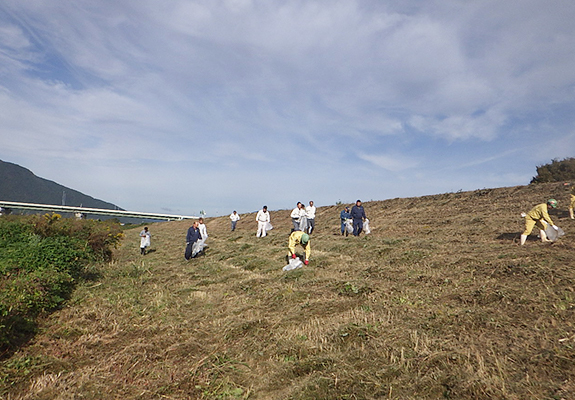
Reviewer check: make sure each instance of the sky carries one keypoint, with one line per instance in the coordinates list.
(183, 106)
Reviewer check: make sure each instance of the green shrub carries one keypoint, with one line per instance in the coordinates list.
(41, 259)
(556, 171)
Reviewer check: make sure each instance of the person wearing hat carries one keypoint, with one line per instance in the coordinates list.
(535, 217)
(299, 237)
(358, 216)
(344, 215)
(572, 203)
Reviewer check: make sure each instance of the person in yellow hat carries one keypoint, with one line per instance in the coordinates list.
(535, 217)
(299, 237)
(572, 204)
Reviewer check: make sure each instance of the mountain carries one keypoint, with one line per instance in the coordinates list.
(20, 184)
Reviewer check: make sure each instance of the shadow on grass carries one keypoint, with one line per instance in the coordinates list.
(19, 331)
(515, 236)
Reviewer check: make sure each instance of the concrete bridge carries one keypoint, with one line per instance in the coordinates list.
(7, 206)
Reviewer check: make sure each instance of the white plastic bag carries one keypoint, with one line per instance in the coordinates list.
(269, 226)
(197, 247)
(293, 264)
(553, 234)
(366, 229)
(303, 224)
(349, 225)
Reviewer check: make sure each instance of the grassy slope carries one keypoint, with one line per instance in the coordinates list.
(439, 301)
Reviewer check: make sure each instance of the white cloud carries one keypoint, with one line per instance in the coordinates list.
(228, 87)
(388, 162)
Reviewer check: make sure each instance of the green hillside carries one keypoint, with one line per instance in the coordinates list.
(20, 184)
(439, 302)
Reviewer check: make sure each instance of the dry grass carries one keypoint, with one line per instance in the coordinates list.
(439, 301)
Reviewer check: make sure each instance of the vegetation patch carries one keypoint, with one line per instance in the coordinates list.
(439, 301)
(41, 260)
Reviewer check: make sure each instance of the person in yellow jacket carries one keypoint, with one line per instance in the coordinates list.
(535, 217)
(299, 237)
(572, 204)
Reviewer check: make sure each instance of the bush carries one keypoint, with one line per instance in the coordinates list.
(556, 171)
(41, 259)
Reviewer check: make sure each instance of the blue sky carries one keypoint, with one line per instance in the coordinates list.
(180, 106)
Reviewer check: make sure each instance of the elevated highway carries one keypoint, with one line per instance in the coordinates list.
(6, 206)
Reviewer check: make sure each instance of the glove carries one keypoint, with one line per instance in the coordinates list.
(293, 255)
(555, 227)
(306, 262)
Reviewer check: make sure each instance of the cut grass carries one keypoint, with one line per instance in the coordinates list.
(439, 301)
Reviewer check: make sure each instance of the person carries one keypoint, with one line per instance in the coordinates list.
(145, 240)
(299, 237)
(344, 215)
(296, 216)
(572, 203)
(358, 215)
(235, 217)
(535, 217)
(203, 232)
(192, 238)
(263, 218)
(310, 215)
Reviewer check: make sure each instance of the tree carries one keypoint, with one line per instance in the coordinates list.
(556, 171)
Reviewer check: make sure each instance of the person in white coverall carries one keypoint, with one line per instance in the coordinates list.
(145, 240)
(234, 217)
(297, 215)
(263, 218)
(203, 231)
(310, 214)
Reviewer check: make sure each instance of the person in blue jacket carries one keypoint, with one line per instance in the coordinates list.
(344, 215)
(192, 237)
(358, 215)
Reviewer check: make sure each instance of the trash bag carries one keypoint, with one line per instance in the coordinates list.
(303, 224)
(192, 249)
(366, 229)
(198, 247)
(294, 263)
(553, 234)
(349, 225)
(269, 227)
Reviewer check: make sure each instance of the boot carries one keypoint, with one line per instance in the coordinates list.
(543, 236)
(523, 239)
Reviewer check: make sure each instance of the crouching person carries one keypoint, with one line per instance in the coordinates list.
(193, 238)
(535, 217)
(299, 237)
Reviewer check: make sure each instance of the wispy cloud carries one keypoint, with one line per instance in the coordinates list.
(283, 100)
(391, 163)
